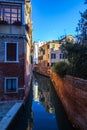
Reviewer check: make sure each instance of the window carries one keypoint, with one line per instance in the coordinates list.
(31, 59)
(53, 56)
(11, 84)
(10, 13)
(52, 45)
(11, 50)
(52, 49)
(47, 46)
(43, 51)
(61, 56)
(48, 55)
(52, 64)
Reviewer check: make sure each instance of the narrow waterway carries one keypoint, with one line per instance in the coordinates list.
(44, 110)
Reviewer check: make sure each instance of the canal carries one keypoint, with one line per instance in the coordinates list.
(43, 111)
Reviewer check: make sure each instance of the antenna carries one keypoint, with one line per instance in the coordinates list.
(65, 32)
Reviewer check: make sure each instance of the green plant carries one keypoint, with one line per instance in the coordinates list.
(61, 68)
(77, 58)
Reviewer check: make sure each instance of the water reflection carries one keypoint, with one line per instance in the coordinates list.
(43, 111)
(42, 93)
(35, 91)
(42, 105)
(30, 122)
(46, 96)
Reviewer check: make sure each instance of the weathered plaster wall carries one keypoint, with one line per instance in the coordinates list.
(28, 69)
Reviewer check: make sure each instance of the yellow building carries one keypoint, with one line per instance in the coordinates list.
(50, 52)
(45, 52)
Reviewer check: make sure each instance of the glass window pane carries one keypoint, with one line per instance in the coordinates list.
(19, 11)
(1, 13)
(11, 85)
(14, 84)
(11, 52)
(7, 12)
(19, 19)
(6, 15)
(14, 11)
(8, 84)
(14, 15)
(13, 20)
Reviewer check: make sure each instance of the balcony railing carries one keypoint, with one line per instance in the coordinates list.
(12, 0)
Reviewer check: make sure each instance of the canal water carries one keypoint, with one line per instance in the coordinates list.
(43, 111)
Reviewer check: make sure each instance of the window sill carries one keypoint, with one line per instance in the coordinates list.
(11, 61)
(11, 92)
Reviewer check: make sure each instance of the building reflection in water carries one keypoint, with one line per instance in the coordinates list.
(35, 91)
(29, 111)
(42, 93)
(44, 109)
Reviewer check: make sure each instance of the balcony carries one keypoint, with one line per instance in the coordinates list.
(15, 1)
(12, 29)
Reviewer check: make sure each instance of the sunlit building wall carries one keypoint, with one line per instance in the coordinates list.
(50, 52)
(35, 92)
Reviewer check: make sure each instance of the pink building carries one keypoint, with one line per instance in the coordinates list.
(50, 53)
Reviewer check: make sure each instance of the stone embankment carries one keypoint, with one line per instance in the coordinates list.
(73, 95)
(10, 119)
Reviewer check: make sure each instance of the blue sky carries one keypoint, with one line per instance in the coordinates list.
(54, 18)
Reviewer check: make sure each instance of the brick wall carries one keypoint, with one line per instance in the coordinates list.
(73, 95)
(12, 69)
(20, 42)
